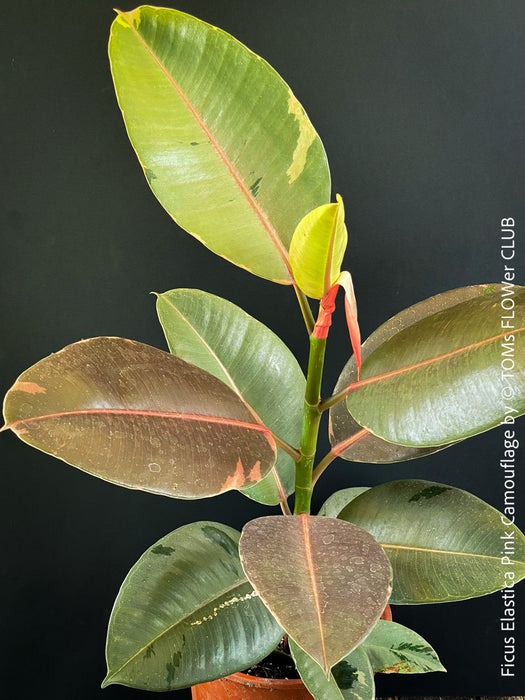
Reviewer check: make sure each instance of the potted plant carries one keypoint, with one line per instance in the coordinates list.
(232, 156)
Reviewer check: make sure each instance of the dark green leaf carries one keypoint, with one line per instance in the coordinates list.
(351, 441)
(445, 372)
(393, 648)
(350, 679)
(338, 500)
(186, 613)
(444, 544)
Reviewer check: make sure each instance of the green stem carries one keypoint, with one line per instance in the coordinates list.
(335, 398)
(311, 419)
(305, 309)
(294, 454)
(323, 464)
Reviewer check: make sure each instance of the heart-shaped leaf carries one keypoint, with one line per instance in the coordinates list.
(226, 147)
(350, 679)
(186, 614)
(393, 648)
(141, 418)
(222, 339)
(453, 374)
(318, 247)
(326, 584)
(349, 439)
(444, 544)
(339, 500)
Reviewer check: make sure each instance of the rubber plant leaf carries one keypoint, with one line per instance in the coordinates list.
(350, 679)
(186, 614)
(444, 544)
(326, 584)
(442, 379)
(339, 500)
(350, 440)
(224, 144)
(139, 417)
(222, 339)
(393, 648)
(318, 247)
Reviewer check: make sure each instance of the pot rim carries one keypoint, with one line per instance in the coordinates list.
(257, 682)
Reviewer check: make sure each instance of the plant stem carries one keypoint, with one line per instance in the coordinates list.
(331, 401)
(311, 419)
(335, 452)
(323, 464)
(305, 309)
(285, 508)
(294, 454)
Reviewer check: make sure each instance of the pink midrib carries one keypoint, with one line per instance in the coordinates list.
(424, 363)
(144, 413)
(313, 582)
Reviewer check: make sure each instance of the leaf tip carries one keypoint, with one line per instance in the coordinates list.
(107, 681)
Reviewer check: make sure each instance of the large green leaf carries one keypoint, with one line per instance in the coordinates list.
(186, 613)
(444, 544)
(350, 679)
(141, 418)
(226, 147)
(222, 339)
(349, 439)
(325, 582)
(393, 648)
(318, 247)
(446, 377)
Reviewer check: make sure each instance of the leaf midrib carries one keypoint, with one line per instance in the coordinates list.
(431, 360)
(442, 551)
(144, 413)
(260, 214)
(313, 582)
(327, 280)
(208, 348)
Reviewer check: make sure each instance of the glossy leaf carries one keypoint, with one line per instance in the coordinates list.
(339, 500)
(326, 583)
(347, 437)
(350, 679)
(186, 613)
(141, 418)
(393, 648)
(222, 339)
(445, 372)
(444, 544)
(226, 147)
(318, 247)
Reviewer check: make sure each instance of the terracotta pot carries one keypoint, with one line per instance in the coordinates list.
(387, 614)
(241, 686)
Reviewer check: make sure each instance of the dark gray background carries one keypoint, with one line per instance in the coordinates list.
(420, 105)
